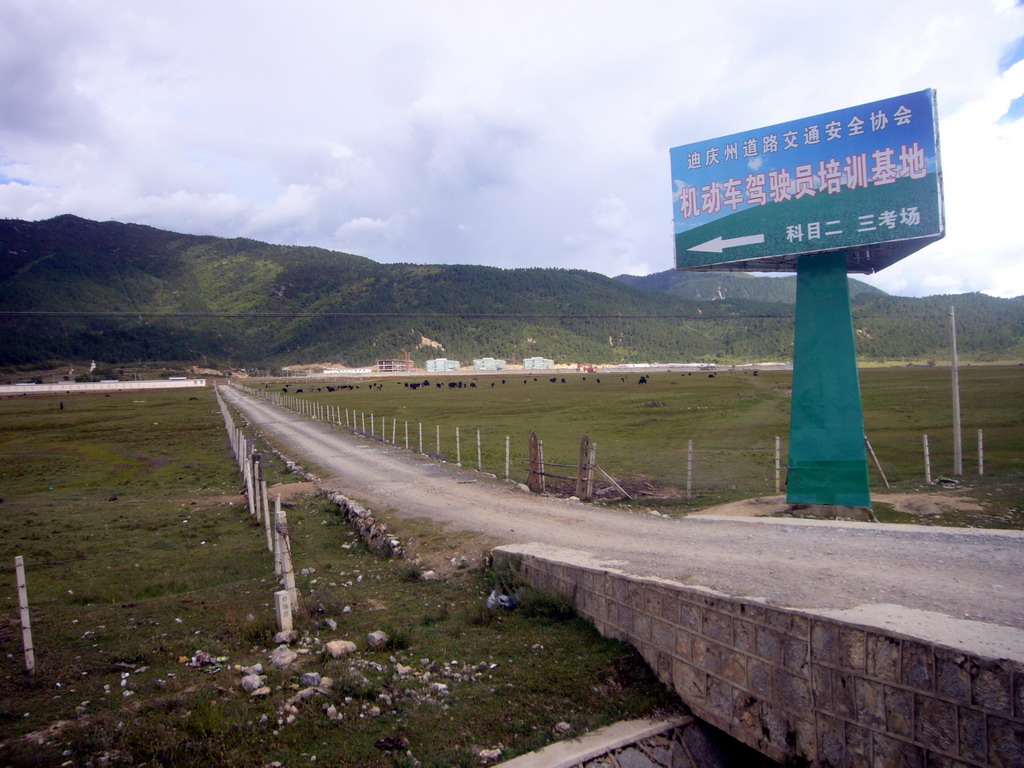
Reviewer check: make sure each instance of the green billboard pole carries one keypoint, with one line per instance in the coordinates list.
(828, 462)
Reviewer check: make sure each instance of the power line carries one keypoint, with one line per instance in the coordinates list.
(460, 315)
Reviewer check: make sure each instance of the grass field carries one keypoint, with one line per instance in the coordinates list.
(642, 430)
(139, 554)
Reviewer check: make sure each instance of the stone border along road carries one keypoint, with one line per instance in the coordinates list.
(959, 587)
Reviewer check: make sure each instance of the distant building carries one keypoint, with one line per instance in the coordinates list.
(441, 365)
(489, 364)
(394, 366)
(538, 363)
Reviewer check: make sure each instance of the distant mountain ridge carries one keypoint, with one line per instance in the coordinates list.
(717, 286)
(189, 297)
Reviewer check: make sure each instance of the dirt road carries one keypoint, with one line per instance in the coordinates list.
(878, 573)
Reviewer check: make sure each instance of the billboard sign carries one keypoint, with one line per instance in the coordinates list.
(865, 180)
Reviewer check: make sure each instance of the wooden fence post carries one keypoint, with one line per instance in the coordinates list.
(438, 436)
(479, 455)
(26, 619)
(394, 429)
(533, 479)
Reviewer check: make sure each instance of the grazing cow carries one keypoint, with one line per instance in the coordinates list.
(598, 381)
(492, 384)
(563, 381)
(711, 375)
(642, 380)
(472, 384)
(553, 380)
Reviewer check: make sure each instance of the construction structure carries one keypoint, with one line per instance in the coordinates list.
(396, 366)
(442, 365)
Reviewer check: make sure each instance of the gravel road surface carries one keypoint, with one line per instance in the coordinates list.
(961, 586)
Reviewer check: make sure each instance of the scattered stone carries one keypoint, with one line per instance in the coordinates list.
(255, 669)
(374, 711)
(261, 691)
(402, 670)
(332, 712)
(487, 755)
(286, 637)
(331, 624)
(339, 648)
(282, 656)
(310, 678)
(428, 576)
(251, 682)
(325, 686)
(377, 639)
(561, 728)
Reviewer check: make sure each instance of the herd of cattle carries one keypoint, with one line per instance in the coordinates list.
(440, 385)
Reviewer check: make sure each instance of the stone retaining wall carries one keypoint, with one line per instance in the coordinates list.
(801, 688)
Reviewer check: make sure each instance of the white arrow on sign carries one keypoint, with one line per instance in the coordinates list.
(719, 244)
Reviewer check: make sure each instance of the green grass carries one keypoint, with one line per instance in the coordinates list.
(642, 431)
(126, 591)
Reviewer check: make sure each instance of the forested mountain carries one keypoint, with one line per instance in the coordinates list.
(184, 298)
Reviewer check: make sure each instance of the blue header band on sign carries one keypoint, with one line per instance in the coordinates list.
(865, 180)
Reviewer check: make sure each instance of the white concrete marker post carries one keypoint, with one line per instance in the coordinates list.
(479, 455)
(266, 511)
(276, 536)
(283, 607)
(507, 454)
(927, 462)
(458, 448)
(26, 620)
(287, 572)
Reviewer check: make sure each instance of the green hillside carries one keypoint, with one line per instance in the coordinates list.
(346, 309)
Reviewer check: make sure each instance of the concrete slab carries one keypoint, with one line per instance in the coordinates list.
(566, 754)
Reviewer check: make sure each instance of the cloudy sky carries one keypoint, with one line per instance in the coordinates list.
(506, 134)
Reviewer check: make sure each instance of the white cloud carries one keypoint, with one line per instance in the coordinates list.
(512, 135)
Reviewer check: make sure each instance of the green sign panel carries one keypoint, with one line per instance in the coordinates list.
(865, 180)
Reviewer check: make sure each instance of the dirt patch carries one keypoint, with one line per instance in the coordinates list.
(926, 504)
(762, 506)
(921, 504)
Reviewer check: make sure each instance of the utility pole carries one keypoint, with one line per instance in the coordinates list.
(958, 457)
